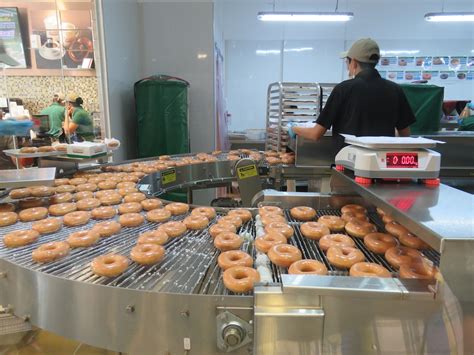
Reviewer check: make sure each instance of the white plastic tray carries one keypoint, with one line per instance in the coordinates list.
(390, 142)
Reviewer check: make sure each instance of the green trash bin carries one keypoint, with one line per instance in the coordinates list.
(161, 104)
(426, 101)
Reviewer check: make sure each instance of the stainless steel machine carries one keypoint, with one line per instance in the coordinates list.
(181, 305)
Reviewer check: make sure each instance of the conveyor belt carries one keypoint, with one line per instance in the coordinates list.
(189, 267)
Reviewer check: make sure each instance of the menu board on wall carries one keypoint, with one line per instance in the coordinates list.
(435, 69)
(10, 34)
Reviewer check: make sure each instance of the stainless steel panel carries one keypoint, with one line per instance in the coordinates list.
(433, 214)
(131, 321)
(310, 154)
(27, 177)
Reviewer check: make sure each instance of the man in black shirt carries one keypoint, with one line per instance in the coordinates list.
(366, 105)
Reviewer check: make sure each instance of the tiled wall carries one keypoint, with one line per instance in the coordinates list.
(37, 91)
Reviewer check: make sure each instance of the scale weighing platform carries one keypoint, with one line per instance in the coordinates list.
(390, 158)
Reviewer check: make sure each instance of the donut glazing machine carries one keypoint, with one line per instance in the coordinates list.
(181, 304)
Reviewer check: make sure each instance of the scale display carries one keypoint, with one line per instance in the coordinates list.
(402, 160)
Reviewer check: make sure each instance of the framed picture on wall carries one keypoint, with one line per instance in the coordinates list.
(11, 35)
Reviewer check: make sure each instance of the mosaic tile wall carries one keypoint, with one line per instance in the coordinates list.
(37, 91)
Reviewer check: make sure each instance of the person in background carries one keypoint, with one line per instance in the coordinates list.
(56, 116)
(467, 118)
(365, 105)
(78, 123)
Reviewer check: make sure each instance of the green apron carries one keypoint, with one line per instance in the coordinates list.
(56, 118)
(85, 128)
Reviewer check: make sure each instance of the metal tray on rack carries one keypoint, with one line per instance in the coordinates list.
(15, 153)
(27, 177)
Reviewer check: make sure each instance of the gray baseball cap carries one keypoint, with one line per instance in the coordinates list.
(364, 50)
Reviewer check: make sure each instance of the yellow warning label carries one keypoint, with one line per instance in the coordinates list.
(168, 176)
(248, 171)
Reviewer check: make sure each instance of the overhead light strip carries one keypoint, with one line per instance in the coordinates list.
(450, 17)
(305, 16)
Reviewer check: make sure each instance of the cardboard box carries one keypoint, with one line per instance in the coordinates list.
(86, 150)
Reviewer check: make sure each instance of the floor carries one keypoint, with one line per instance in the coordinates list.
(40, 342)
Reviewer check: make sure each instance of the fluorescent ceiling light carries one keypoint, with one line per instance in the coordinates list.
(277, 51)
(450, 17)
(305, 16)
(401, 51)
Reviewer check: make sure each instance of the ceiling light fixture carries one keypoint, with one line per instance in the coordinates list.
(450, 17)
(305, 16)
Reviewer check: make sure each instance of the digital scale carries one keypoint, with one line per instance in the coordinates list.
(390, 158)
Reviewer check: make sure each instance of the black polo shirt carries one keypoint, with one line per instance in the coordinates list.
(366, 106)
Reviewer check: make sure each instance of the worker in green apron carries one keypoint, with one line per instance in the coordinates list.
(78, 124)
(56, 116)
(467, 118)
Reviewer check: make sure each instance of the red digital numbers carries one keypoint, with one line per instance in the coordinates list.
(402, 160)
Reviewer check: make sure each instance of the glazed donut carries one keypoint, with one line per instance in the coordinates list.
(397, 256)
(8, 218)
(235, 220)
(353, 208)
(196, 222)
(159, 215)
(110, 199)
(131, 219)
(125, 185)
(334, 223)
(281, 228)
(307, 267)
(303, 213)
(33, 214)
(240, 279)
(153, 237)
(365, 269)
(228, 241)
(129, 207)
(387, 219)
(232, 258)
(151, 204)
(147, 254)
(61, 209)
(30, 203)
(208, 212)
(127, 191)
(77, 181)
(271, 153)
(20, 238)
(173, 229)
(95, 180)
(46, 149)
(104, 212)
(87, 204)
(288, 159)
(266, 241)
(50, 251)
(177, 208)
(314, 230)
(245, 215)
(217, 229)
(335, 240)
(284, 254)
(417, 270)
(412, 241)
(134, 197)
(271, 218)
(344, 257)
(42, 191)
(107, 228)
(59, 182)
(130, 178)
(111, 265)
(48, 225)
(359, 229)
(350, 215)
(86, 187)
(19, 193)
(232, 157)
(107, 184)
(273, 160)
(379, 243)
(216, 152)
(396, 229)
(61, 198)
(270, 210)
(65, 188)
(78, 218)
(84, 238)
(28, 150)
(102, 193)
(7, 207)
